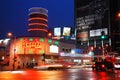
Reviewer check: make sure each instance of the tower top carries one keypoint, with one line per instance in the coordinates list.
(38, 10)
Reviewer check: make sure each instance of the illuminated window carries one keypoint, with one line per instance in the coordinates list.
(49, 41)
(56, 42)
(41, 39)
(31, 39)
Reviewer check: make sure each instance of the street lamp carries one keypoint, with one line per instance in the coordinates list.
(118, 15)
(14, 57)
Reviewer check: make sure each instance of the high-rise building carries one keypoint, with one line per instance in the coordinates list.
(38, 21)
(96, 24)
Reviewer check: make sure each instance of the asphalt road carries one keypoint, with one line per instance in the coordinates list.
(69, 74)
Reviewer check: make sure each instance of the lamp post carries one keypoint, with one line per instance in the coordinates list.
(14, 49)
(118, 15)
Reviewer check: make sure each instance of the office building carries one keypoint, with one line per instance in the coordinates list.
(97, 24)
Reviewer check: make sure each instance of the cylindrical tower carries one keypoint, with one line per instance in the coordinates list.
(38, 21)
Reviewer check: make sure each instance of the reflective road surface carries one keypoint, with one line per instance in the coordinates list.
(69, 74)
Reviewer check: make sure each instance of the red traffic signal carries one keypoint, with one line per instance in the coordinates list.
(91, 48)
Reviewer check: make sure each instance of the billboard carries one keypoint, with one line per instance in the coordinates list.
(82, 36)
(57, 31)
(66, 31)
(97, 32)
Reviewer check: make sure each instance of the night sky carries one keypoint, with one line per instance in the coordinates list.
(14, 14)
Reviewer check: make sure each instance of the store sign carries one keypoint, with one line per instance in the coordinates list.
(75, 55)
(54, 49)
(31, 45)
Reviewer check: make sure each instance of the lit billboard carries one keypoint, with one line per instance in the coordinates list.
(57, 31)
(82, 36)
(66, 31)
(97, 32)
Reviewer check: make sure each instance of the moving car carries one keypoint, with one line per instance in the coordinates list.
(117, 65)
(53, 66)
(49, 67)
(103, 66)
(98, 66)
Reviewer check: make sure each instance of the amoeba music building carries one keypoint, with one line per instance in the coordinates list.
(26, 52)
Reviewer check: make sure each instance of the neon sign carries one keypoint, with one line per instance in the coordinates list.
(31, 45)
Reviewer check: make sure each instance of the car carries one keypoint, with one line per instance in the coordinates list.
(109, 65)
(98, 66)
(53, 66)
(117, 65)
(77, 66)
(41, 67)
(49, 67)
(87, 65)
(103, 66)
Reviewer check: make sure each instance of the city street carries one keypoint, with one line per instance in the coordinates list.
(69, 74)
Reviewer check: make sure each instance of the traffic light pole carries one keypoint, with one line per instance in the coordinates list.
(103, 49)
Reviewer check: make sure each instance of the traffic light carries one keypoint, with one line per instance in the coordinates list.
(103, 36)
(91, 48)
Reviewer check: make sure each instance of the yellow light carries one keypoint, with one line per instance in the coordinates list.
(49, 34)
(119, 14)
(9, 34)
